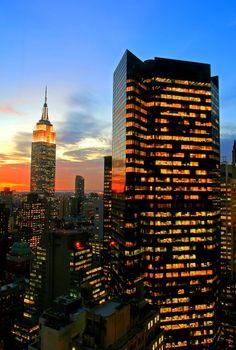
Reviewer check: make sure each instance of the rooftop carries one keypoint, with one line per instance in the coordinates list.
(107, 309)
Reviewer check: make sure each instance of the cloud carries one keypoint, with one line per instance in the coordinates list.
(79, 125)
(22, 142)
(226, 146)
(82, 120)
(83, 100)
(20, 153)
(228, 98)
(13, 185)
(228, 131)
(9, 110)
(85, 149)
(83, 135)
(87, 154)
(3, 158)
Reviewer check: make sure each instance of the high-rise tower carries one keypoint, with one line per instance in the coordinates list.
(43, 155)
(228, 253)
(79, 186)
(107, 216)
(165, 184)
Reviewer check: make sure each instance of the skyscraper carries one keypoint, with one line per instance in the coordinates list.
(107, 215)
(226, 222)
(43, 155)
(107, 200)
(228, 239)
(79, 186)
(165, 184)
(32, 219)
(78, 199)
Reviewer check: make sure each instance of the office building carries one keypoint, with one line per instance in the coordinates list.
(32, 219)
(61, 254)
(97, 221)
(49, 278)
(11, 307)
(119, 325)
(165, 193)
(107, 199)
(64, 206)
(62, 266)
(228, 253)
(86, 277)
(65, 320)
(43, 156)
(115, 325)
(4, 238)
(78, 198)
(19, 260)
(24, 332)
(6, 197)
(107, 214)
(79, 186)
(228, 316)
(233, 209)
(226, 221)
(4, 218)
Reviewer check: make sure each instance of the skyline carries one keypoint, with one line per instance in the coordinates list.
(74, 49)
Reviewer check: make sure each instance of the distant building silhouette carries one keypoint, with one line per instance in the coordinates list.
(79, 186)
(78, 198)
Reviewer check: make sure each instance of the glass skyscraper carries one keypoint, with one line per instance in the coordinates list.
(165, 194)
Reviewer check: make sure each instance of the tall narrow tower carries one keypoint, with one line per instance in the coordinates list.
(79, 186)
(43, 155)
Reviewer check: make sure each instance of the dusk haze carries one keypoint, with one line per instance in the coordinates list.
(73, 48)
(117, 175)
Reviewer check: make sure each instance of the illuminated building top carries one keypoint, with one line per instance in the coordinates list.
(44, 131)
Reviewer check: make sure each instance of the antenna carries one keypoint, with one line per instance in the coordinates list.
(46, 94)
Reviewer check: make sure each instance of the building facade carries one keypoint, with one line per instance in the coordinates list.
(32, 219)
(228, 239)
(11, 307)
(43, 156)
(4, 218)
(79, 186)
(165, 193)
(118, 325)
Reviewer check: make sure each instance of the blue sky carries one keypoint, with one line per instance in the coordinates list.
(74, 46)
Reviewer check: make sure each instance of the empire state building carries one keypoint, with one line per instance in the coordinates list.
(43, 155)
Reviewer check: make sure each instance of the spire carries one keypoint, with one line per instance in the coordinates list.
(45, 106)
(46, 94)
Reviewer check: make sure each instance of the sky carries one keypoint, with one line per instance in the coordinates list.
(73, 47)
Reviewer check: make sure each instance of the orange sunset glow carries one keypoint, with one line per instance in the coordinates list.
(17, 176)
